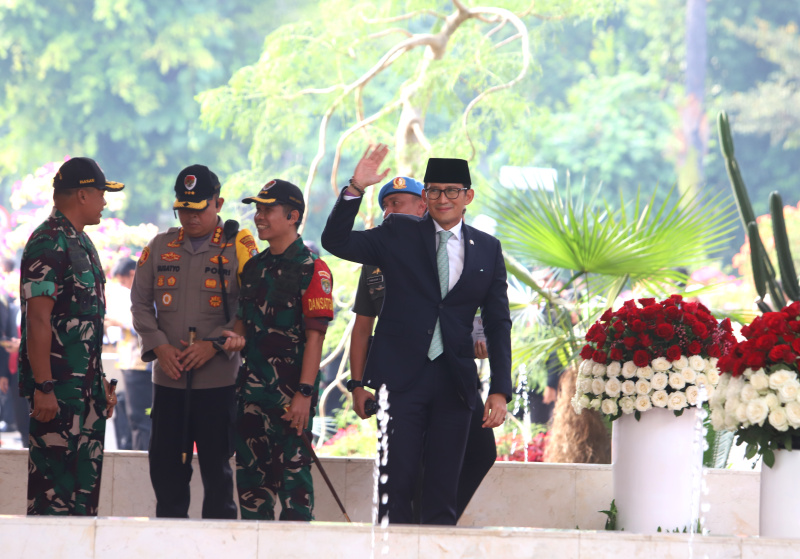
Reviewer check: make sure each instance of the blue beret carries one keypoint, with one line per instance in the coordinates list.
(400, 184)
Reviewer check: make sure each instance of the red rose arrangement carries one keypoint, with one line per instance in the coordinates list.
(651, 354)
(771, 339)
(670, 328)
(758, 396)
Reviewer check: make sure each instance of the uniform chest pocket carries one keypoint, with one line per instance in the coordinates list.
(85, 288)
(166, 299)
(78, 258)
(284, 291)
(211, 294)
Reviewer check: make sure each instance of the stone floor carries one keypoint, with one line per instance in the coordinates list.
(137, 538)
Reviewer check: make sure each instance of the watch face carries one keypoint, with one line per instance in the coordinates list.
(305, 389)
(47, 386)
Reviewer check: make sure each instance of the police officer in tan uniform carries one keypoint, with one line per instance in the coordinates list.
(189, 277)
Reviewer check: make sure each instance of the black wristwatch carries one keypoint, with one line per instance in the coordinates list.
(305, 389)
(45, 387)
(352, 384)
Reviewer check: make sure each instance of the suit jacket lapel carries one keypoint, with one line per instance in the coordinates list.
(428, 232)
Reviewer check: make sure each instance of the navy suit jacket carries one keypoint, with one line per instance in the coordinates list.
(404, 249)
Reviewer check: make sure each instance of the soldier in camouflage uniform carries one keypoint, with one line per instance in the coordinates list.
(284, 308)
(61, 372)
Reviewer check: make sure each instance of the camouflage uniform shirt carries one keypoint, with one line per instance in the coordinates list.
(63, 264)
(280, 297)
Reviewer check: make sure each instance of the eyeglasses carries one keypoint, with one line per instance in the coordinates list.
(451, 193)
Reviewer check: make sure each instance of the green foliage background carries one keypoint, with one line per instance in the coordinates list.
(117, 80)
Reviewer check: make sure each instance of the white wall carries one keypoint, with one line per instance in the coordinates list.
(562, 496)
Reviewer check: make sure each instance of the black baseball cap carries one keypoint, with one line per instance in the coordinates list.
(194, 187)
(278, 191)
(82, 172)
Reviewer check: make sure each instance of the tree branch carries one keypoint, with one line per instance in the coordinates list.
(526, 60)
(496, 28)
(385, 32)
(437, 44)
(347, 133)
(420, 134)
(508, 40)
(403, 17)
(386, 60)
(313, 91)
(529, 12)
(342, 348)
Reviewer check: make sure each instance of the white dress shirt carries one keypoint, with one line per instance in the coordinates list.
(455, 251)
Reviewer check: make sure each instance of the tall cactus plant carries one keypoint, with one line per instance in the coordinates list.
(764, 275)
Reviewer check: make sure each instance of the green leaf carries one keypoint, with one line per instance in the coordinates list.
(769, 457)
(566, 229)
(611, 516)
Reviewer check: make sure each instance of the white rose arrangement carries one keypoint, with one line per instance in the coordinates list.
(673, 385)
(755, 403)
(651, 354)
(758, 395)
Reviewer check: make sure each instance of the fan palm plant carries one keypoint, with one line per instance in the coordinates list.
(603, 248)
(600, 249)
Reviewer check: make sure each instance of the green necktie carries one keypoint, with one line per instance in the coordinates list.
(443, 265)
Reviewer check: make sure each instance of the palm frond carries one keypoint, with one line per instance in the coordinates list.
(644, 241)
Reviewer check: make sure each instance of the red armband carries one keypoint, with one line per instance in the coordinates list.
(318, 298)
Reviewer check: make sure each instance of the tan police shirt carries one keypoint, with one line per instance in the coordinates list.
(176, 286)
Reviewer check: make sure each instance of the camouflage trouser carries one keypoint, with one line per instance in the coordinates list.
(271, 460)
(66, 460)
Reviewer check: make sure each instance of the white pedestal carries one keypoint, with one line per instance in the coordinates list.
(779, 515)
(654, 462)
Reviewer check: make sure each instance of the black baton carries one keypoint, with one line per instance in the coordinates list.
(324, 475)
(187, 402)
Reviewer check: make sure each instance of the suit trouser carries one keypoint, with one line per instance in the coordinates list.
(139, 390)
(480, 455)
(428, 420)
(211, 418)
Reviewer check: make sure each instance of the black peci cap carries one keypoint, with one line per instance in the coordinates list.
(443, 170)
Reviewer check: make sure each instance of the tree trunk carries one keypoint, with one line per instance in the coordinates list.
(576, 439)
(694, 123)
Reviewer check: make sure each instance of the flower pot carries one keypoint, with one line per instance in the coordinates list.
(779, 515)
(654, 461)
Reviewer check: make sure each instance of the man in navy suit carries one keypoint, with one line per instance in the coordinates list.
(438, 272)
